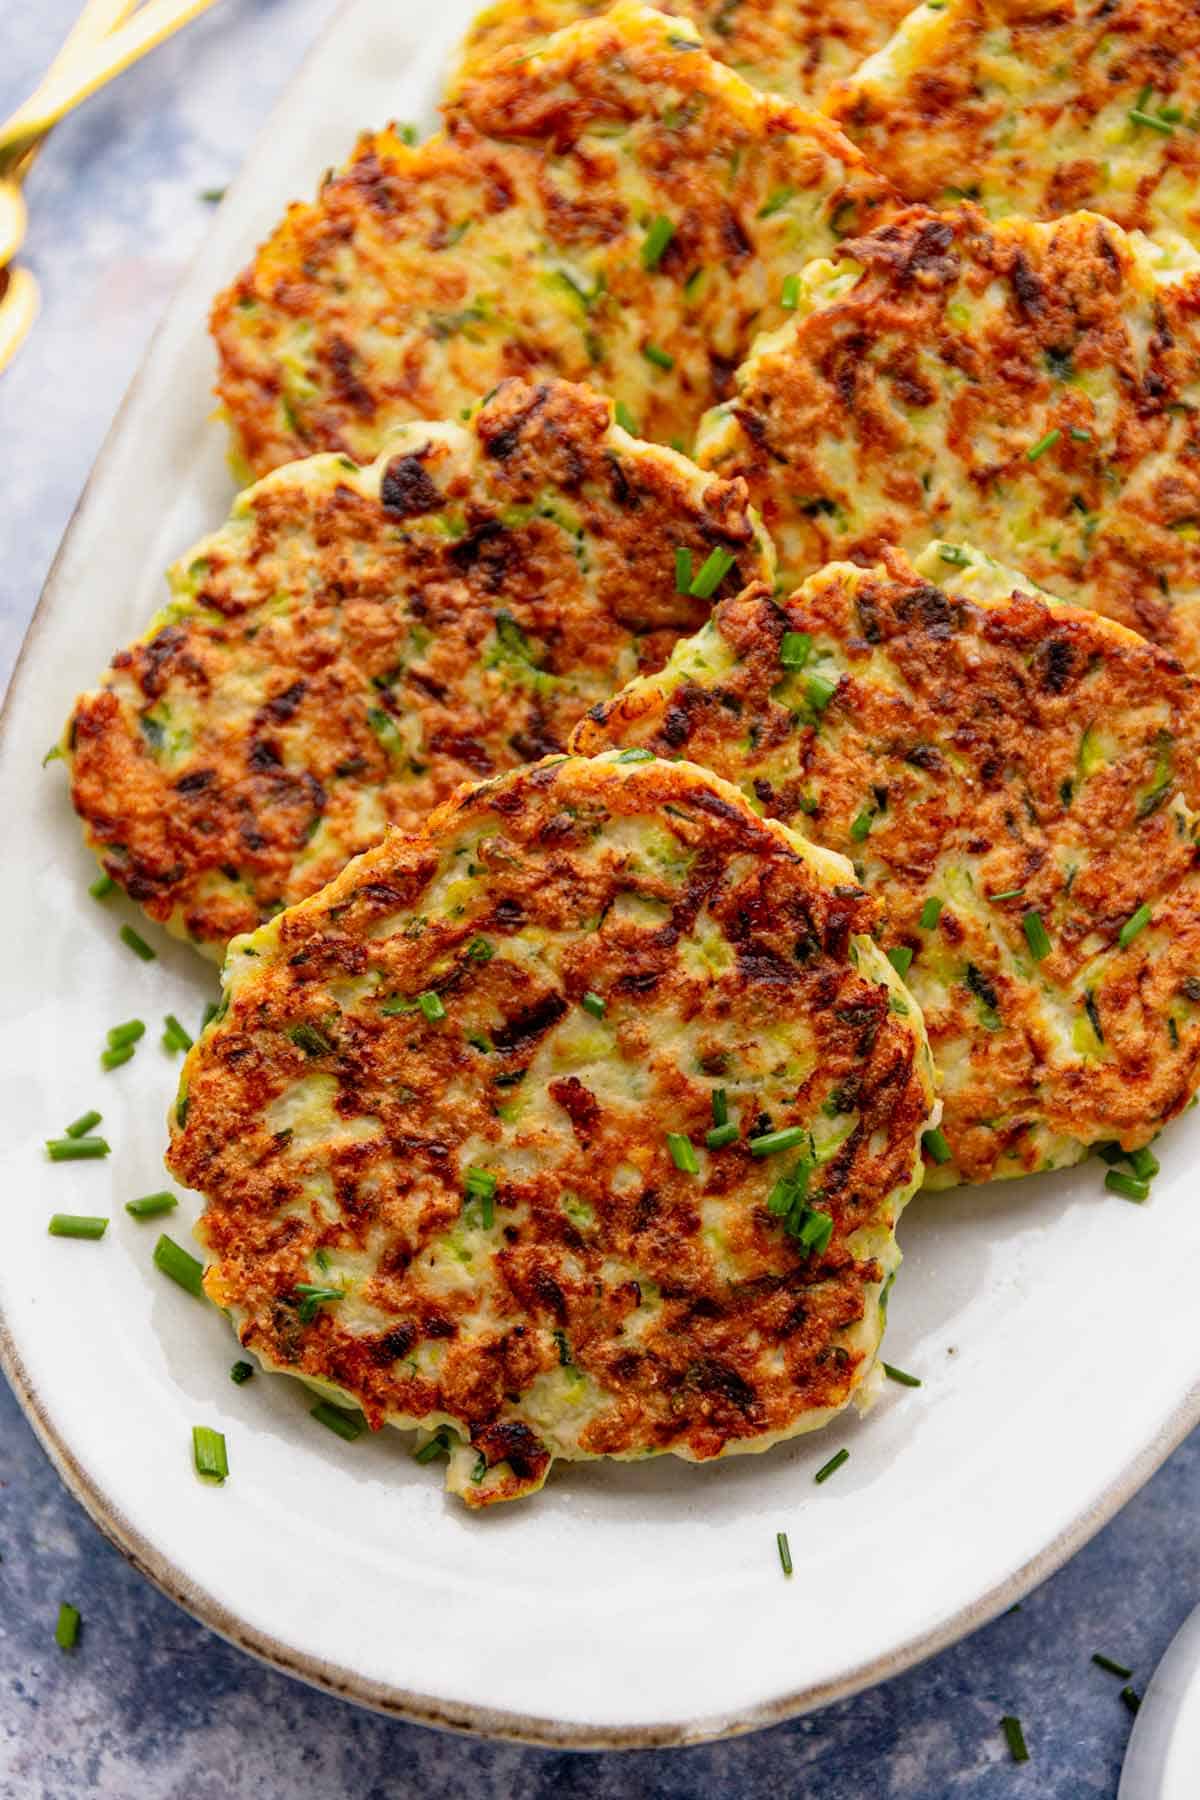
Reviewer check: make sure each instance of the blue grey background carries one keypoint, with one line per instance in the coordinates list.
(151, 1706)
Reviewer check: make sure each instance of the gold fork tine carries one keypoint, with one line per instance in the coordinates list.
(19, 299)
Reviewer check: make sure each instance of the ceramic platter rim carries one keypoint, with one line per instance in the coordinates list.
(713, 1641)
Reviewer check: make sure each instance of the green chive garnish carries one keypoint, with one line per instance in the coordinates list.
(936, 1146)
(174, 1261)
(1145, 1164)
(112, 1059)
(819, 690)
(789, 296)
(1015, 1738)
(1138, 117)
(1080, 437)
(1008, 894)
(901, 959)
(347, 1425)
(151, 1205)
(720, 1135)
(683, 569)
(480, 949)
(212, 1011)
(1133, 1701)
(208, 1453)
(720, 1106)
(175, 1037)
(860, 827)
(931, 912)
(480, 1469)
(895, 1374)
(1043, 444)
(1114, 1668)
(832, 1466)
(76, 1225)
(1136, 922)
(776, 202)
(625, 418)
(683, 1153)
(1036, 935)
(1128, 1186)
(592, 1003)
(772, 1142)
(662, 359)
(81, 1125)
(954, 555)
(785, 1551)
(128, 1033)
(137, 943)
(628, 756)
(102, 887)
(66, 1630)
(76, 1149)
(312, 1297)
(479, 1184)
(438, 1445)
(241, 1373)
(795, 647)
(811, 1228)
(713, 571)
(655, 242)
(431, 1005)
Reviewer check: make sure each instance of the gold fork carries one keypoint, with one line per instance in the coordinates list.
(106, 38)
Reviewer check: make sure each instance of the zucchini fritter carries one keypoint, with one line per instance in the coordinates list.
(1031, 388)
(1040, 109)
(619, 209)
(454, 1127)
(796, 48)
(355, 642)
(1016, 782)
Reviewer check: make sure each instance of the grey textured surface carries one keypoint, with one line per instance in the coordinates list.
(150, 1705)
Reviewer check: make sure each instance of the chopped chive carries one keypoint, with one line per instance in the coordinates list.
(811, 1228)
(776, 202)
(479, 1184)
(102, 887)
(592, 1003)
(895, 1374)
(128, 1033)
(66, 1629)
(1132, 1700)
(437, 1446)
(953, 554)
(137, 943)
(789, 294)
(795, 647)
(937, 1146)
(931, 912)
(861, 827)
(175, 1036)
(480, 1469)
(431, 1005)
(625, 418)
(112, 1059)
(1036, 935)
(1128, 1186)
(1080, 436)
(1143, 99)
(785, 1551)
(720, 1106)
(662, 359)
(781, 1197)
(480, 949)
(713, 571)
(1114, 1668)
(820, 690)
(208, 1453)
(1043, 444)
(1008, 894)
(657, 238)
(771, 1142)
(628, 756)
(901, 959)
(683, 1153)
(1145, 1164)
(76, 1225)
(151, 1205)
(345, 1424)
(1111, 1152)
(312, 1297)
(1015, 1738)
(82, 1124)
(240, 1373)
(1138, 117)
(833, 1465)
(76, 1149)
(721, 1135)
(175, 1261)
(1134, 923)
(211, 1011)
(683, 569)
(487, 1212)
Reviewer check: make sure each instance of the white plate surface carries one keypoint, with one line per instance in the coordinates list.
(1052, 1325)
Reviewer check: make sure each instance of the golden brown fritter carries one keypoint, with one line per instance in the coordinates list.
(355, 642)
(620, 210)
(1016, 782)
(797, 48)
(1041, 109)
(1031, 389)
(454, 1127)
